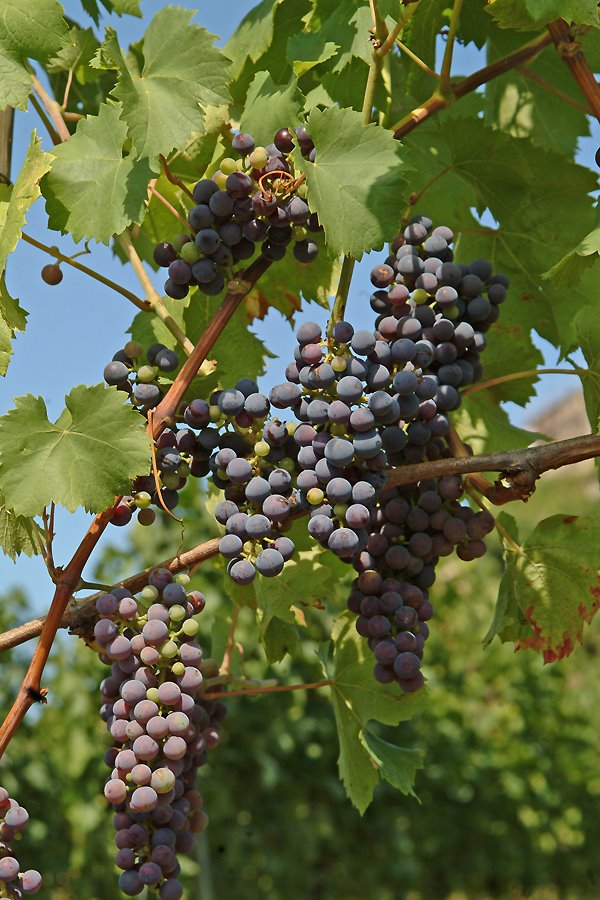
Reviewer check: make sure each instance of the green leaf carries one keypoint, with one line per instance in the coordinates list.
(587, 330)
(252, 37)
(397, 765)
(269, 107)
(92, 190)
(555, 584)
(357, 698)
(316, 282)
(528, 15)
(120, 7)
(509, 351)
(15, 200)
(17, 533)
(76, 54)
(356, 183)
(231, 364)
(12, 318)
(486, 427)
(569, 270)
(280, 639)
(180, 72)
(305, 51)
(28, 29)
(91, 453)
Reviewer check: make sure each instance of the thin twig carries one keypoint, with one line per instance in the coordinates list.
(552, 89)
(570, 50)
(63, 258)
(52, 108)
(416, 59)
(445, 86)
(222, 695)
(516, 376)
(173, 178)
(171, 208)
(47, 123)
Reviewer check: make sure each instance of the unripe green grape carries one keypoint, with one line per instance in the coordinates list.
(170, 480)
(338, 364)
(177, 669)
(142, 499)
(220, 179)
(315, 496)
(288, 465)
(214, 413)
(146, 374)
(340, 510)
(190, 627)
(133, 349)
(258, 158)
(183, 578)
(222, 474)
(178, 241)
(183, 470)
(152, 694)
(302, 190)
(190, 253)
(261, 448)
(451, 312)
(420, 296)
(177, 613)
(149, 593)
(169, 649)
(228, 165)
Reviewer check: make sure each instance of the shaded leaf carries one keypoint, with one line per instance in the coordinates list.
(570, 268)
(397, 765)
(269, 107)
(17, 533)
(12, 318)
(528, 15)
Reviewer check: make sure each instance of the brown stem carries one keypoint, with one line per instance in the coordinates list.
(237, 291)
(53, 109)
(7, 118)
(524, 54)
(516, 376)
(61, 257)
(570, 50)
(173, 179)
(171, 209)
(221, 695)
(47, 123)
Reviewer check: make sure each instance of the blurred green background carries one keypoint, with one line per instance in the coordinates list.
(508, 797)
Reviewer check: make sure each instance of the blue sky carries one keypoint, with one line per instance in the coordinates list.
(75, 328)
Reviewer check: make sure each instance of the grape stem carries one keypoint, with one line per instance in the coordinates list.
(552, 89)
(46, 121)
(445, 85)
(416, 59)
(437, 101)
(48, 520)
(63, 258)
(526, 464)
(341, 296)
(221, 695)
(53, 109)
(569, 49)
(173, 179)
(170, 207)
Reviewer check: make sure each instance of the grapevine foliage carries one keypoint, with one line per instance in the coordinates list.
(248, 179)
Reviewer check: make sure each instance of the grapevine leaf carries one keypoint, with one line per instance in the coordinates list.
(486, 427)
(280, 639)
(157, 225)
(528, 15)
(120, 7)
(305, 579)
(269, 107)
(555, 584)
(90, 454)
(357, 698)
(12, 318)
(28, 29)
(180, 72)
(569, 269)
(231, 363)
(17, 533)
(252, 37)
(76, 54)
(305, 51)
(15, 200)
(92, 190)
(316, 282)
(356, 183)
(397, 765)
(148, 328)
(587, 329)
(510, 351)
(424, 27)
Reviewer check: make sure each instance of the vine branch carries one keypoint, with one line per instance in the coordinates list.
(569, 49)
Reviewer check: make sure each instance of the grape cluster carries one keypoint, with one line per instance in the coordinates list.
(253, 201)
(145, 390)
(161, 728)
(421, 269)
(13, 882)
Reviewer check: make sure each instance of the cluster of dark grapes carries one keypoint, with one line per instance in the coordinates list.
(421, 270)
(413, 526)
(144, 390)
(161, 727)
(253, 202)
(13, 882)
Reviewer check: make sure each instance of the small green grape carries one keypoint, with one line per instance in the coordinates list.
(258, 158)
(178, 669)
(261, 448)
(146, 374)
(215, 413)
(169, 649)
(220, 179)
(420, 296)
(149, 593)
(152, 694)
(228, 165)
(142, 500)
(340, 510)
(177, 613)
(190, 253)
(190, 627)
(183, 578)
(170, 480)
(338, 364)
(183, 470)
(315, 496)
(178, 241)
